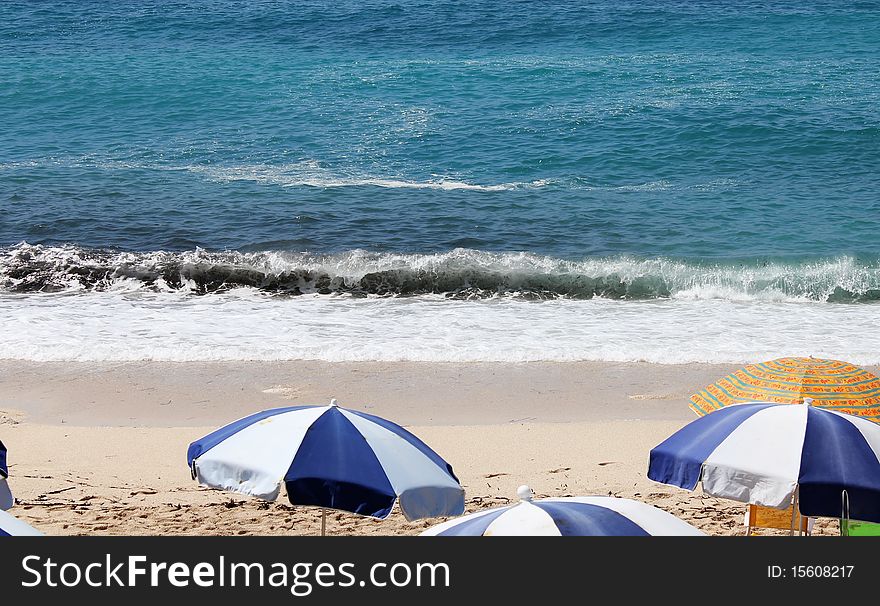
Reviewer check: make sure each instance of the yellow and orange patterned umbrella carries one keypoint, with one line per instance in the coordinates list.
(832, 384)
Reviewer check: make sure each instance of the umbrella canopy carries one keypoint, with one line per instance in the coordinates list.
(6, 499)
(833, 384)
(13, 527)
(567, 516)
(329, 457)
(763, 452)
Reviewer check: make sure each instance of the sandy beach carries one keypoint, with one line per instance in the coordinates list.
(100, 448)
(527, 232)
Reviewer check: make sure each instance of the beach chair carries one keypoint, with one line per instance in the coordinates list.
(758, 516)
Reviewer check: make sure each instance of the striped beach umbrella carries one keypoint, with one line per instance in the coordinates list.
(566, 516)
(6, 499)
(775, 455)
(833, 384)
(13, 527)
(328, 457)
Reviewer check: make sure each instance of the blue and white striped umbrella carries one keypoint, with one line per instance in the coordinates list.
(13, 527)
(4, 468)
(567, 516)
(329, 457)
(6, 499)
(766, 454)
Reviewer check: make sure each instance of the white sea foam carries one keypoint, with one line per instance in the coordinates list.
(312, 174)
(307, 173)
(248, 325)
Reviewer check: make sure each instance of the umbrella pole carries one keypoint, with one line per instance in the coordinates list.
(323, 522)
(794, 511)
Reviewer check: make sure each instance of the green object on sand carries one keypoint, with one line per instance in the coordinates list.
(855, 528)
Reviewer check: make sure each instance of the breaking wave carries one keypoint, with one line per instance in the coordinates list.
(460, 273)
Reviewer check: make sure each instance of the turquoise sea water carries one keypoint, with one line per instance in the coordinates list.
(633, 151)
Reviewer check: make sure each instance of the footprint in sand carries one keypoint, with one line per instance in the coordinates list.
(285, 391)
(11, 417)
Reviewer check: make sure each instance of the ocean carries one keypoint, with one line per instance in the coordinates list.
(609, 180)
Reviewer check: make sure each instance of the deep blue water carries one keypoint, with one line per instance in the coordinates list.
(715, 134)
(727, 130)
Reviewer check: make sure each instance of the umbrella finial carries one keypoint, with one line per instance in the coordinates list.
(524, 493)
(334, 402)
(808, 401)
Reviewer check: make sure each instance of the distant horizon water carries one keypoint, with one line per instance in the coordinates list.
(670, 182)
